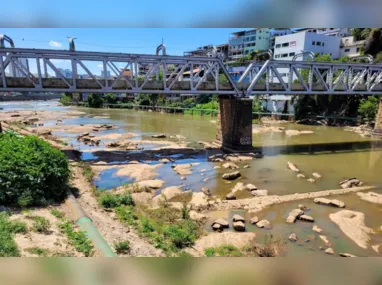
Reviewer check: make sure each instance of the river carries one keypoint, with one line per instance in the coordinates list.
(332, 152)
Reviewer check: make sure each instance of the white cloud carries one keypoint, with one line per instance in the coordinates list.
(100, 65)
(55, 44)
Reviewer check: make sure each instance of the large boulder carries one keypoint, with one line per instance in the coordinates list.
(239, 226)
(151, 184)
(329, 251)
(230, 196)
(292, 167)
(306, 218)
(348, 183)
(184, 169)
(221, 222)
(317, 229)
(328, 202)
(346, 255)
(259, 193)
(167, 194)
(238, 218)
(353, 225)
(199, 201)
(254, 220)
(293, 237)
(159, 136)
(231, 175)
(264, 224)
(250, 187)
(196, 216)
(206, 191)
(371, 197)
(238, 187)
(293, 215)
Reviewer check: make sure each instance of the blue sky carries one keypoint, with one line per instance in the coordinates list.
(127, 40)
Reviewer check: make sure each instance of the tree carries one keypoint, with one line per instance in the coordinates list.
(110, 98)
(95, 100)
(368, 108)
(373, 44)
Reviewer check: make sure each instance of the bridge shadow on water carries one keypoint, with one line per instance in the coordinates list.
(321, 148)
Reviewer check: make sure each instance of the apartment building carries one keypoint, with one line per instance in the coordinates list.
(350, 47)
(277, 33)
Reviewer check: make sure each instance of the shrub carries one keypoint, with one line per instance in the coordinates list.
(368, 108)
(209, 252)
(108, 200)
(122, 247)
(271, 247)
(8, 246)
(223, 251)
(40, 224)
(182, 235)
(31, 171)
(57, 213)
(65, 99)
(95, 100)
(78, 239)
(18, 227)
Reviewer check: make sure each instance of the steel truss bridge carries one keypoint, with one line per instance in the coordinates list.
(164, 74)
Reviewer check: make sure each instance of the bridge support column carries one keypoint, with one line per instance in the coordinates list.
(77, 97)
(235, 124)
(378, 121)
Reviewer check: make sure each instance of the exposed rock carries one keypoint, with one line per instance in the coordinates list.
(306, 218)
(311, 180)
(353, 225)
(179, 137)
(217, 167)
(221, 222)
(293, 237)
(160, 136)
(329, 251)
(325, 239)
(348, 183)
(317, 229)
(236, 239)
(184, 169)
(238, 226)
(371, 197)
(183, 178)
(293, 215)
(246, 166)
(206, 191)
(230, 165)
(300, 175)
(238, 218)
(231, 175)
(316, 175)
(176, 205)
(238, 158)
(346, 255)
(264, 224)
(238, 187)
(377, 248)
(254, 220)
(293, 167)
(328, 202)
(164, 160)
(142, 198)
(250, 187)
(217, 227)
(296, 132)
(167, 194)
(302, 207)
(151, 184)
(44, 132)
(230, 196)
(196, 216)
(199, 201)
(259, 193)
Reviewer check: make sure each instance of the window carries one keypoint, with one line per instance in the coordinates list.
(318, 43)
(259, 38)
(323, 44)
(285, 45)
(358, 49)
(313, 43)
(278, 46)
(277, 56)
(347, 50)
(284, 55)
(292, 54)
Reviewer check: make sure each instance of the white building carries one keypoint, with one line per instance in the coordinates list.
(350, 47)
(334, 32)
(15, 72)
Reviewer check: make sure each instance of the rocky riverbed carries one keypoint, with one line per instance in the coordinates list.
(173, 167)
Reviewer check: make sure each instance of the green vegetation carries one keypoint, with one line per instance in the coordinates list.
(224, 250)
(95, 100)
(110, 98)
(166, 228)
(78, 239)
(122, 247)
(40, 224)
(38, 251)
(108, 200)
(368, 108)
(271, 248)
(8, 246)
(57, 213)
(87, 171)
(66, 99)
(32, 172)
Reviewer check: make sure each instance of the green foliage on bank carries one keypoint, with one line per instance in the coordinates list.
(77, 239)
(109, 200)
(95, 100)
(32, 172)
(8, 228)
(66, 99)
(368, 107)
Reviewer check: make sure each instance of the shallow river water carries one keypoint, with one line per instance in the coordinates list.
(334, 153)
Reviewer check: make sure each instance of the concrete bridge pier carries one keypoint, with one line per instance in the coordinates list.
(378, 121)
(234, 123)
(77, 97)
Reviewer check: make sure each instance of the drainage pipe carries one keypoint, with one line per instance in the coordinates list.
(86, 224)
